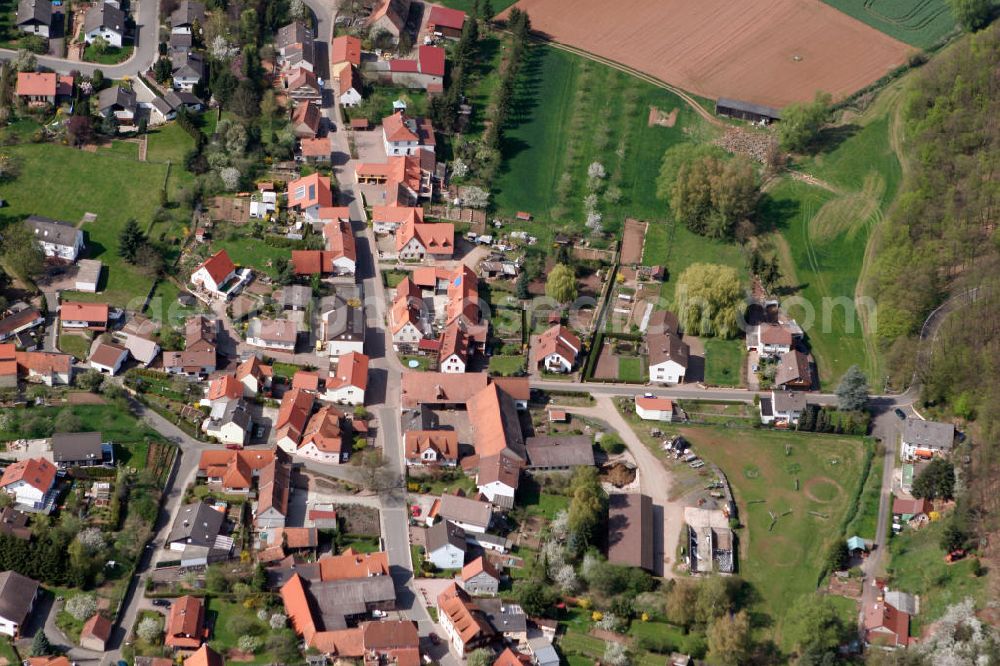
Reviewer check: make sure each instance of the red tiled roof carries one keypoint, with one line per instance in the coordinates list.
(308, 114)
(340, 241)
(89, 312)
(219, 266)
(293, 414)
(37, 84)
(311, 190)
(323, 431)
(886, 624)
(317, 147)
(310, 262)
(345, 49)
(235, 468)
(205, 656)
(397, 214)
(107, 354)
(296, 537)
(661, 404)
(293, 594)
(308, 381)
(431, 59)
(437, 238)
(352, 370)
(351, 564)
(38, 473)
(445, 17)
(98, 627)
(226, 386)
(478, 566)
(444, 442)
(396, 129)
(185, 624)
(915, 507)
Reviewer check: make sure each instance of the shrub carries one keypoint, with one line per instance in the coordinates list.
(82, 606)
(149, 629)
(250, 644)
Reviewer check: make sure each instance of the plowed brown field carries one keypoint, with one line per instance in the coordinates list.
(766, 51)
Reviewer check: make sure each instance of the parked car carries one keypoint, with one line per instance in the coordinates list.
(900, 413)
(161, 602)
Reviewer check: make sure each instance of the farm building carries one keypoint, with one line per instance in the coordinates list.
(734, 108)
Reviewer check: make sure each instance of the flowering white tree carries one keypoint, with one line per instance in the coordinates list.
(219, 48)
(596, 171)
(459, 169)
(148, 629)
(475, 197)
(278, 620)
(608, 622)
(566, 579)
(559, 527)
(250, 643)
(615, 654)
(594, 220)
(92, 539)
(960, 638)
(82, 606)
(262, 615)
(590, 562)
(230, 177)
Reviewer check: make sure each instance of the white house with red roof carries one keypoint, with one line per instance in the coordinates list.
(309, 194)
(654, 409)
(92, 316)
(403, 135)
(453, 355)
(348, 381)
(324, 440)
(557, 349)
(214, 272)
(340, 243)
(415, 241)
(345, 52)
(29, 480)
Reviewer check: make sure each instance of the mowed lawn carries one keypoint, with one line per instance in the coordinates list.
(824, 236)
(64, 183)
(920, 24)
(723, 361)
(763, 466)
(569, 112)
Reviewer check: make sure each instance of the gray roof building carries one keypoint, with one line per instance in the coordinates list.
(75, 448)
(928, 434)
(786, 402)
(187, 13)
(466, 511)
(186, 65)
(339, 600)
(630, 530)
(559, 452)
(444, 533)
(104, 15)
(114, 99)
(52, 231)
(17, 594)
(667, 347)
(505, 617)
(296, 296)
(36, 12)
(197, 524)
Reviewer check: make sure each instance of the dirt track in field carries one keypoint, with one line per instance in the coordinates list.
(770, 52)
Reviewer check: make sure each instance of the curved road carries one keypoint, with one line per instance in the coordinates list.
(147, 25)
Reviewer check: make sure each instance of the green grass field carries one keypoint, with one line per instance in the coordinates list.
(723, 361)
(918, 567)
(824, 235)
(783, 563)
(77, 345)
(466, 5)
(630, 369)
(114, 424)
(63, 183)
(676, 247)
(507, 366)
(560, 125)
(865, 523)
(920, 23)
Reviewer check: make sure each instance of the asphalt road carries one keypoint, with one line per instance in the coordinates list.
(147, 20)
